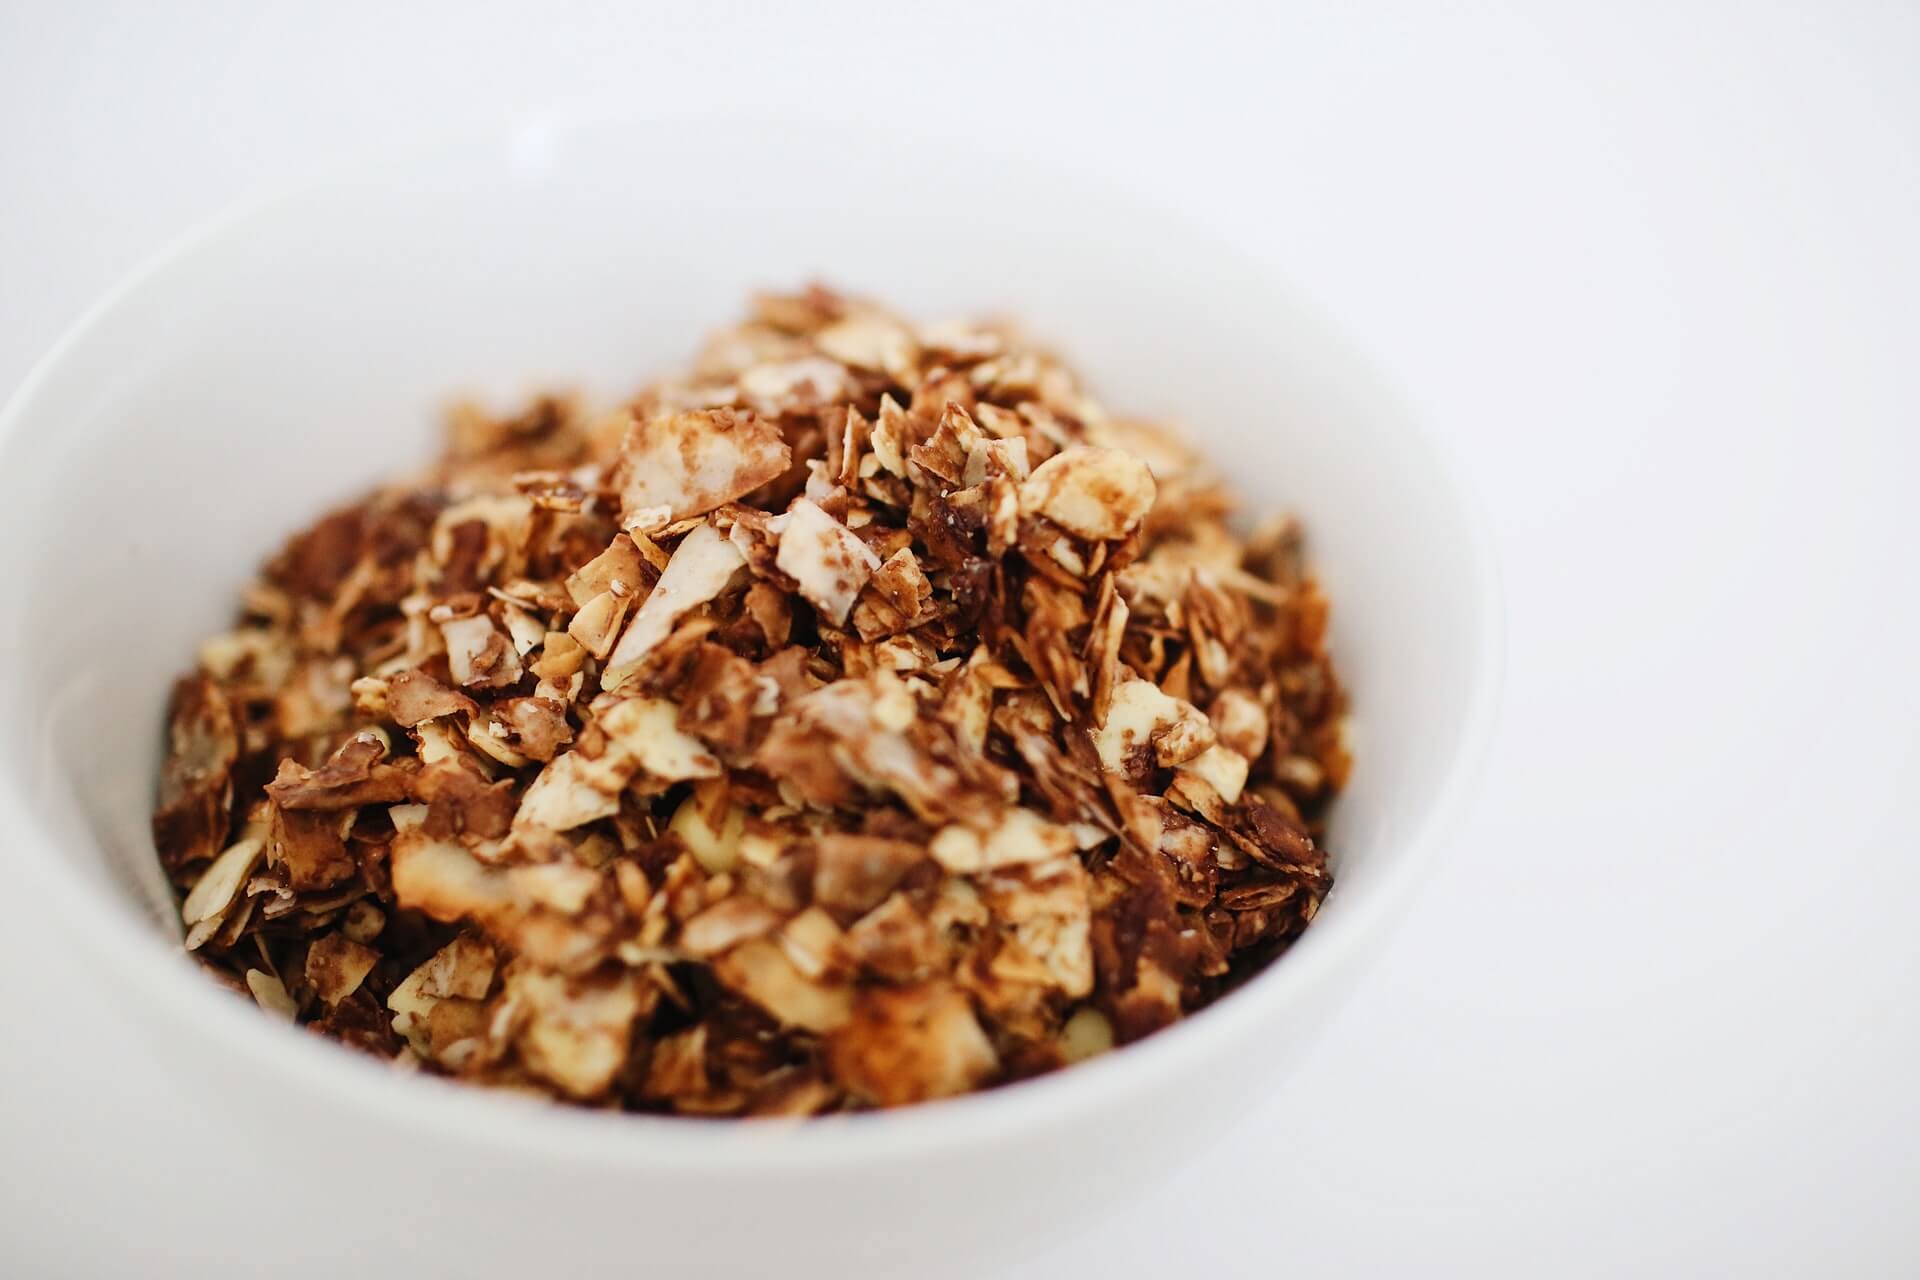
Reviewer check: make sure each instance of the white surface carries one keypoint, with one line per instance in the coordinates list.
(1650, 267)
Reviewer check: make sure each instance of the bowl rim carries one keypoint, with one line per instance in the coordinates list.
(136, 957)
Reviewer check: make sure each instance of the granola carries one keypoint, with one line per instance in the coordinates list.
(861, 718)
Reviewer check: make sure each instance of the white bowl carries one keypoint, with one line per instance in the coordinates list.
(293, 354)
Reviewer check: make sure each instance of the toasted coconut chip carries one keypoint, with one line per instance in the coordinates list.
(719, 697)
(1141, 716)
(351, 777)
(523, 629)
(1220, 768)
(439, 742)
(678, 1067)
(865, 723)
(1049, 910)
(854, 872)
(337, 965)
(692, 462)
(443, 880)
(598, 622)
(201, 731)
(461, 802)
(895, 597)
(574, 790)
(761, 971)
(1094, 493)
(830, 564)
(414, 696)
(726, 924)
(560, 886)
(561, 656)
(363, 921)
(987, 458)
(308, 848)
(463, 969)
(479, 654)
(1013, 837)
(1153, 1002)
(1241, 722)
(911, 1044)
(536, 727)
(701, 568)
(617, 569)
(892, 437)
(894, 941)
(870, 341)
(499, 522)
(806, 383)
(190, 822)
(812, 941)
(647, 731)
(261, 659)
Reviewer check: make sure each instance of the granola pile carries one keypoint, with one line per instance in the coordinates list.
(863, 718)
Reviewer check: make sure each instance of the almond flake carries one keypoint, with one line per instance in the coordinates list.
(214, 892)
(270, 993)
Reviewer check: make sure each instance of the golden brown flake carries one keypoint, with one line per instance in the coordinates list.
(911, 1044)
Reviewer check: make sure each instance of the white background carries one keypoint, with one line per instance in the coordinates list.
(1653, 269)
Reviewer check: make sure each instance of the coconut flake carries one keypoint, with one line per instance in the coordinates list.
(702, 566)
(825, 558)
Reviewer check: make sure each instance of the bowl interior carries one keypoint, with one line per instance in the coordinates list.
(296, 354)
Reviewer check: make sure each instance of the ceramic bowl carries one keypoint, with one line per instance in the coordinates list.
(299, 350)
